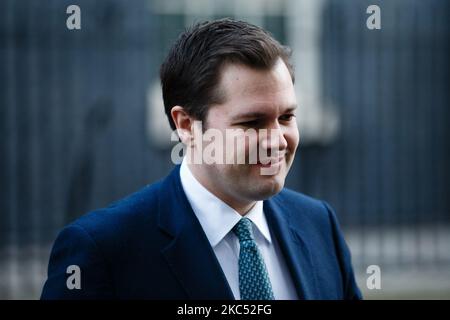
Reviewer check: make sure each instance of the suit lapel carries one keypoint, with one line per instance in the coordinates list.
(189, 255)
(295, 249)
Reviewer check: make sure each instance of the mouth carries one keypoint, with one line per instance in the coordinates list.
(271, 162)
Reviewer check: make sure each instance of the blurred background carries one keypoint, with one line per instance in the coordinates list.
(82, 123)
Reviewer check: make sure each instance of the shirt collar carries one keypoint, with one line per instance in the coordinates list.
(215, 216)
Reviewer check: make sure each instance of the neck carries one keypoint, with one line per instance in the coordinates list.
(241, 206)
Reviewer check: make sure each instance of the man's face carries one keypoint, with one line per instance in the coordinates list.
(255, 99)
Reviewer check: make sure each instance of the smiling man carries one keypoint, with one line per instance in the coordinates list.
(221, 229)
(259, 99)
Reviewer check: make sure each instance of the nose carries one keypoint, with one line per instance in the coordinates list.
(274, 141)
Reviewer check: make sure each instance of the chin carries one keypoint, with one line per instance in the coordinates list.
(268, 188)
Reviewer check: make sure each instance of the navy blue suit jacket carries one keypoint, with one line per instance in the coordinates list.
(150, 245)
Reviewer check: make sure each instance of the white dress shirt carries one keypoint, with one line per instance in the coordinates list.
(218, 219)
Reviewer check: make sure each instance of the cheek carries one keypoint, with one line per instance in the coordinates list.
(292, 137)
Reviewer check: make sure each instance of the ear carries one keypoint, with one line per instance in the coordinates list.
(184, 123)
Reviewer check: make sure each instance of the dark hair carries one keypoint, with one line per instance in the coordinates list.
(191, 70)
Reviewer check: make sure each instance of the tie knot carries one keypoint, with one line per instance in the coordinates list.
(243, 229)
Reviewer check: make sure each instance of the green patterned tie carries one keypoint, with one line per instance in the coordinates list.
(254, 282)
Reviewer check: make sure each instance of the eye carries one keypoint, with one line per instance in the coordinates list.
(251, 123)
(287, 117)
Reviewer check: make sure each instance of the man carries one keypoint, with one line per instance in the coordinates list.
(214, 230)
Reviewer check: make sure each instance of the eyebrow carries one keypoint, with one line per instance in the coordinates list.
(258, 114)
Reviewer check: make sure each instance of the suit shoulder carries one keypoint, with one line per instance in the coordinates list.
(123, 216)
(303, 208)
(297, 199)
